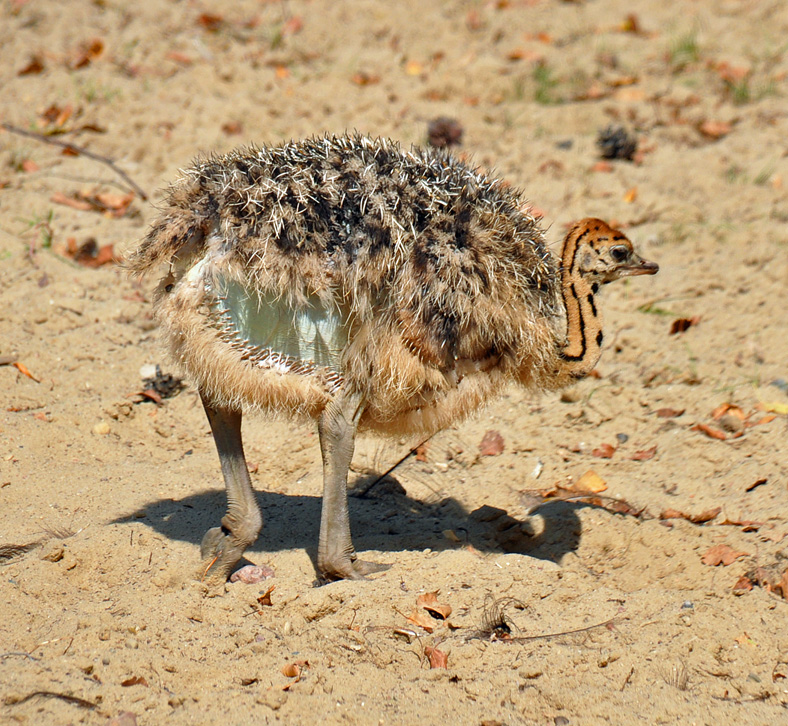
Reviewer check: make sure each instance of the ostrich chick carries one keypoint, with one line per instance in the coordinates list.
(345, 280)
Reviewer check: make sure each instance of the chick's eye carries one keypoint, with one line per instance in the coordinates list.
(619, 253)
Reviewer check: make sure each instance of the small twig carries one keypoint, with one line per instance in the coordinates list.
(365, 490)
(20, 655)
(79, 150)
(51, 694)
(627, 679)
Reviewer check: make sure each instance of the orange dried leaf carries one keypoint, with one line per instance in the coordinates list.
(210, 22)
(265, 598)
(603, 166)
(644, 454)
(492, 444)
(631, 195)
(681, 324)
(706, 516)
(721, 554)
(362, 78)
(22, 368)
(420, 618)
(743, 584)
(134, 681)
(714, 129)
(293, 25)
(604, 451)
(774, 407)
(179, 57)
(709, 431)
(88, 52)
(429, 601)
(763, 420)
(59, 198)
(421, 451)
(728, 408)
(437, 658)
(590, 483)
(29, 166)
(669, 412)
(34, 65)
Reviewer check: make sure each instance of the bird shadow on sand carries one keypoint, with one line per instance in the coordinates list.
(385, 519)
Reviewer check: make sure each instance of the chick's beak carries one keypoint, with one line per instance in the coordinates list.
(638, 266)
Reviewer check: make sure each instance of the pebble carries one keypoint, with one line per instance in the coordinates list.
(252, 574)
(101, 428)
(687, 605)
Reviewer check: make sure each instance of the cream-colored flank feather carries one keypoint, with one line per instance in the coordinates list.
(345, 280)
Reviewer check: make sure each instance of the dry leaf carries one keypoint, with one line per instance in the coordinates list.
(644, 454)
(293, 25)
(34, 65)
(421, 451)
(774, 407)
(603, 166)
(210, 22)
(721, 554)
(714, 129)
(179, 57)
(743, 584)
(604, 451)
(429, 601)
(669, 412)
(88, 52)
(134, 681)
(763, 420)
(89, 254)
(590, 483)
(755, 484)
(265, 598)
(492, 444)
(710, 432)
(22, 368)
(706, 516)
(728, 408)
(363, 78)
(420, 618)
(631, 195)
(437, 658)
(232, 128)
(681, 324)
(701, 518)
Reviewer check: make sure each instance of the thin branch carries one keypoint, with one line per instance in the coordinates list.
(79, 150)
(51, 694)
(360, 493)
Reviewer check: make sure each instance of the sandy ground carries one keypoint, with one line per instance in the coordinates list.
(112, 496)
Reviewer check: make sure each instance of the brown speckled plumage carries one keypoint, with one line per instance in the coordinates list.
(437, 270)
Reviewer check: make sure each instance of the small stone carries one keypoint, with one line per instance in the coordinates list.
(687, 605)
(101, 428)
(252, 574)
(52, 552)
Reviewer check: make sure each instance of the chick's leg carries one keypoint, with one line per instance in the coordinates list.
(336, 556)
(223, 546)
